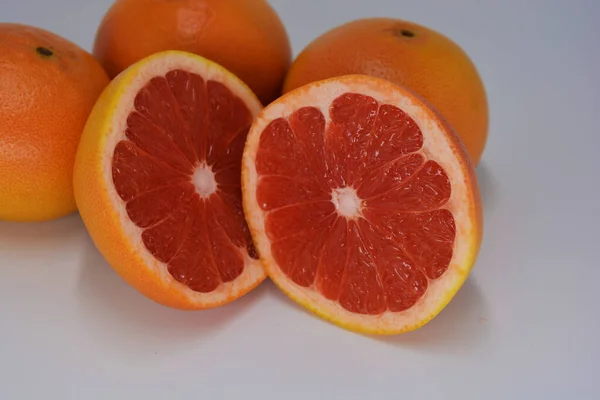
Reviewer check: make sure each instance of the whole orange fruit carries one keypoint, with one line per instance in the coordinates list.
(245, 36)
(419, 58)
(47, 89)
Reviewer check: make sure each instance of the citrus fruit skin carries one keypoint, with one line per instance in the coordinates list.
(408, 54)
(104, 213)
(246, 37)
(440, 144)
(47, 90)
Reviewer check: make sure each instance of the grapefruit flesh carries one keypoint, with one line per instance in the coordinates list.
(169, 177)
(167, 146)
(362, 202)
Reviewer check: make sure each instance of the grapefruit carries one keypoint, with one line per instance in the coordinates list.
(362, 202)
(47, 90)
(246, 37)
(157, 180)
(422, 59)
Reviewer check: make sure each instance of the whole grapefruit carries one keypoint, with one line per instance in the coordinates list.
(245, 36)
(419, 58)
(48, 87)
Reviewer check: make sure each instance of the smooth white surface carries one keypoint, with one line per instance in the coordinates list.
(526, 325)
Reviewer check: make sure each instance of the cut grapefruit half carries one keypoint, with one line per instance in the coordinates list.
(157, 180)
(362, 203)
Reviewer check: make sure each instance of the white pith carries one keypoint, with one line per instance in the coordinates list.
(437, 146)
(160, 66)
(204, 180)
(346, 202)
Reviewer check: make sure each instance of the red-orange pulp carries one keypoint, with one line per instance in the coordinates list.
(352, 208)
(178, 170)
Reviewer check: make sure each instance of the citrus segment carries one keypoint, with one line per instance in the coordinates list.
(362, 203)
(168, 143)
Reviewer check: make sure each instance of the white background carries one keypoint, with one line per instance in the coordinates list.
(524, 326)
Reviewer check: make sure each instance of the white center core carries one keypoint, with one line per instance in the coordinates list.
(204, 181)
(347, 203)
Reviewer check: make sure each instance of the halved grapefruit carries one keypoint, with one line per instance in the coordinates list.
(362, 203)
(157, 180)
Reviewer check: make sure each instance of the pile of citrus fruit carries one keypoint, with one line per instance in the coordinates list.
(202, 159)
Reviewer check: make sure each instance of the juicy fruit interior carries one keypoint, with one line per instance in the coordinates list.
(178, 171)
(352, 208)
